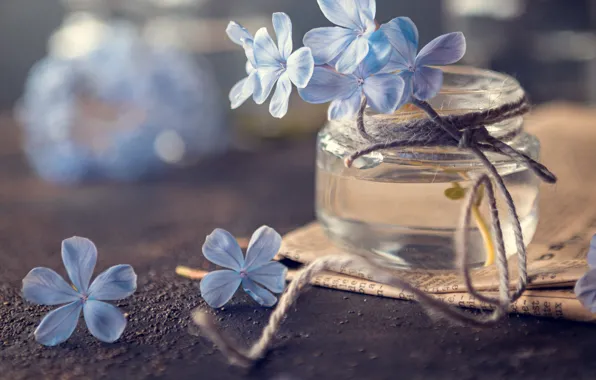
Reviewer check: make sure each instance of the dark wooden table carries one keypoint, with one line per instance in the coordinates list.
(160, 224)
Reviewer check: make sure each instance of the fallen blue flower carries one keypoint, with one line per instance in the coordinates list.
(43, 286)
(585, 287)
(422, 81)
(218, 287)
(592, 253)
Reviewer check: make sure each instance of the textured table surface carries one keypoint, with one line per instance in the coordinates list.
(157, 225)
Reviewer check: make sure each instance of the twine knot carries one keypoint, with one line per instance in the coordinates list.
(471, 137)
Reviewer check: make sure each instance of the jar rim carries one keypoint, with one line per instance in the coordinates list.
(465, 89)
(503, 82)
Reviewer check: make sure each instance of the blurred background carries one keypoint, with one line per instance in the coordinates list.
(76, 73)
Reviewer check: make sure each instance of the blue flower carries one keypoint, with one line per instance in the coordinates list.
(277, 64)
(43, 286)
(218, 287)
(422, 81)
(347, 44)
(585, 287)
(245, 88)
(383, 91)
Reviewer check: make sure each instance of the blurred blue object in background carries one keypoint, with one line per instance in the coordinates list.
(124, 109)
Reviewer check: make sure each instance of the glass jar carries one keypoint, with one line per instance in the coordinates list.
(400, 204)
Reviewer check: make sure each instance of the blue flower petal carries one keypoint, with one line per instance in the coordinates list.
(104, 321)
(238, 95)
(58, 325)
(283, 30)
(378, 56)
(43, 286)
(265, 51)
(116, 283)
(427, 82)
(300, 67)
(328, 43)
(271, 275)
(259, 294)
(585, 290)
(249, 68)
(327, 84)
(254, 84)
(592, 253)
(263, 246)
(443, 50)
(221, 248)
(384, 92)
(367, 16)
(346, 13)
(281, 97)
(218, 287)
(403, 36)
(237, 33)
(353, 56)
(345, 108)
(369, 7)
(249, 51)
(244, 89)
(79, 256)
(407, 92)
(267, 77)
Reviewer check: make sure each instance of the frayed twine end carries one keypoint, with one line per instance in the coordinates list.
(235, 355)
(348, 161)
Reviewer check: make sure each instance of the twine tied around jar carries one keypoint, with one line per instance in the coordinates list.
(465, 131)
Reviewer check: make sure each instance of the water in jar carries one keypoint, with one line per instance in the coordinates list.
(399, 210)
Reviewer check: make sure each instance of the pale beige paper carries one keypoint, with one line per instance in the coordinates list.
(546, 268)
(556, 257)
(550, 303)
(539, 303)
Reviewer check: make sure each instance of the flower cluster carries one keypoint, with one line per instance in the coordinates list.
(123, 110)
(357, 60)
